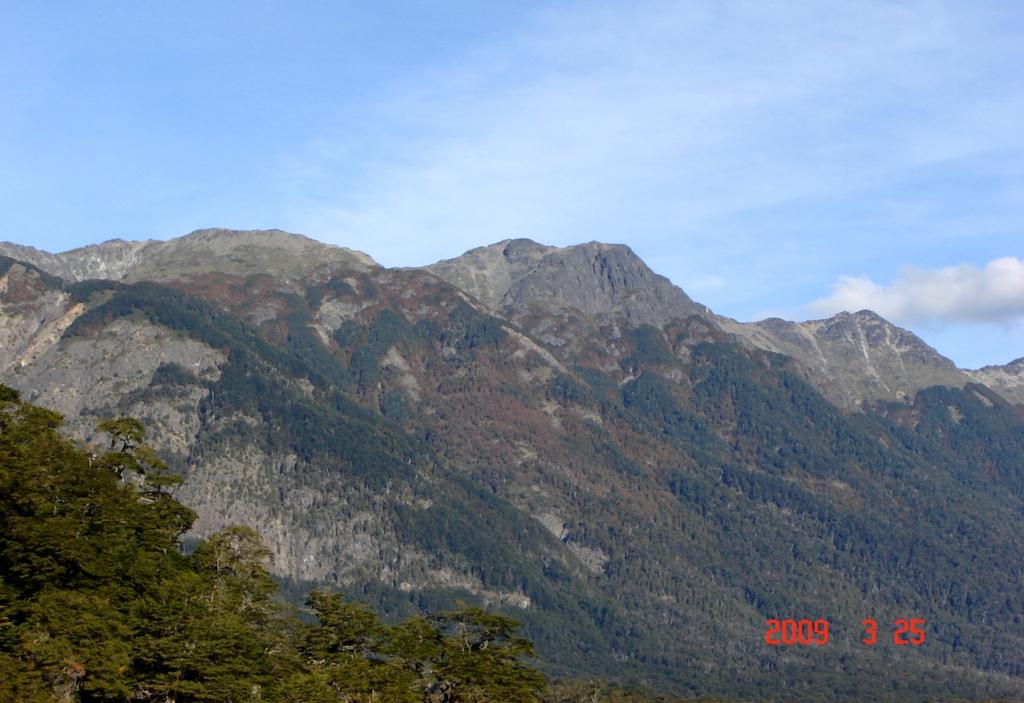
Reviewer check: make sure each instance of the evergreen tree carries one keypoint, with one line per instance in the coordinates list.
(98, 603)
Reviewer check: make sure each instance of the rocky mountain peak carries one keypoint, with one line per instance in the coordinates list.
(487, 273)
(594, 278)
(1007, 380)
(214, 250)
(1016, 364)
(855, 357)
(43, 260)
(111, 260)
(244, 253)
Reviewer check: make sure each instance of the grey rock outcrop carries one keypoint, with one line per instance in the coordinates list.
(596, 279)
(42, 260)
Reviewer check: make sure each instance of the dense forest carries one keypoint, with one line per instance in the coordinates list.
(98, 602)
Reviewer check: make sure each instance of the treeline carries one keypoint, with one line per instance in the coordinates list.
(98, 602)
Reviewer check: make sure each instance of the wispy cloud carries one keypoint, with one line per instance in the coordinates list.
(627, 121)
(964, 293)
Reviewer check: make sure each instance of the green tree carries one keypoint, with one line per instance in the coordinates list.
(98, 603)
(351, 654)
(484, 659)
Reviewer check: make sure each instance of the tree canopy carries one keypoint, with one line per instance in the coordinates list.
(99, 603)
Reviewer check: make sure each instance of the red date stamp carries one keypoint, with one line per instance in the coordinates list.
(805, 632)
(789, 632)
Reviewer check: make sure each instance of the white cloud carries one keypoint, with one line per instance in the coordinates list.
(964, 293)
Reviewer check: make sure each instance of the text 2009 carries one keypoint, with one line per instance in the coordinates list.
(906, 632)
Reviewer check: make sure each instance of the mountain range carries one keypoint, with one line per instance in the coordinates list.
(564, 434)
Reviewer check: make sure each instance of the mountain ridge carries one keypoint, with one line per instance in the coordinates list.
(852, 358)
(862, 356)
(1008, 379)
(190, 254)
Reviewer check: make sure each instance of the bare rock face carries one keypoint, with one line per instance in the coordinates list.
(595, 279)
(1007, 380)
(33, 316)
(488, 273)
(43, 260)
(111, 260)
(83, 378)
(853, 358)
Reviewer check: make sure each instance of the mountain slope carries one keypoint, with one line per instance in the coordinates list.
(851, 358)
(1008, 379)
(855, 358)
(643, 494)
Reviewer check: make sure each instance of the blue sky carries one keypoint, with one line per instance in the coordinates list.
(772, 158)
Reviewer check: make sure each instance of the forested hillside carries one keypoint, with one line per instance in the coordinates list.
(641, 489)
(97, 602)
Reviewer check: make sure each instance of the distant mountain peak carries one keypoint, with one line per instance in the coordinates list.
(211, 250)
(1007, 380)
(854, 357)
(512, 247)
(223, 235)
(594, 278)
(863, 315)
(1015, 364)
(851, 357)
(243, 253)
(43, 260)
